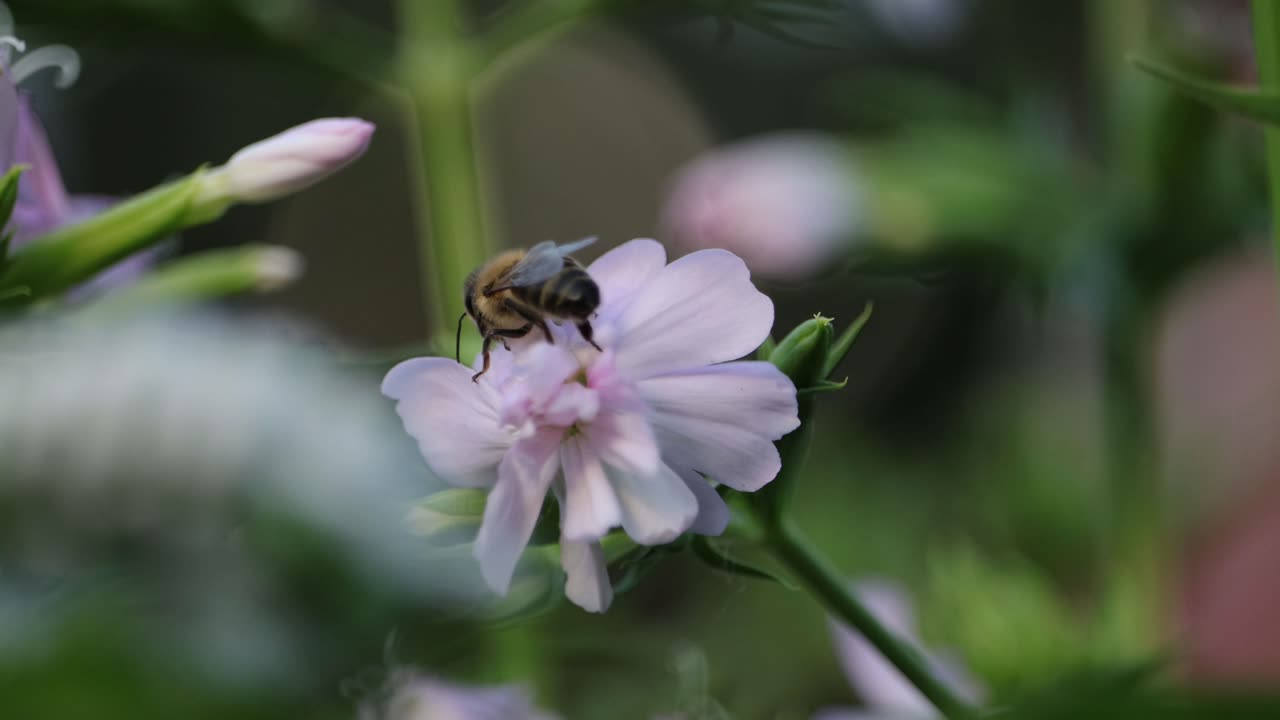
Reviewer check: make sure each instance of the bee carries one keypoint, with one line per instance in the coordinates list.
(518, 290)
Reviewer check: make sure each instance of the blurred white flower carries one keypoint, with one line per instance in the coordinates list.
(288, 162)
(882, 688)
(421, 697)
(783, 203)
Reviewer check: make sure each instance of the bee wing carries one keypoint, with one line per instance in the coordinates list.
(542, 262)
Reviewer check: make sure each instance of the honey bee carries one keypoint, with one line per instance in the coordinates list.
(519, 290)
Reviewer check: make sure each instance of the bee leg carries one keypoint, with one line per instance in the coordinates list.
(485, 352)
(584, 327)
(501, 335)
(533, 318)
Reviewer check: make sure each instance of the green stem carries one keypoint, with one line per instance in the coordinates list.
(437, 67)
(1266, 39)
(829, 587)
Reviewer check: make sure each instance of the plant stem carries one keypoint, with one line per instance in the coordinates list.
(436, 68)
(817, 575)
(1266, 39)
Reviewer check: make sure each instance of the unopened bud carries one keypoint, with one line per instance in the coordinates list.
(802, 354)
(291, 161)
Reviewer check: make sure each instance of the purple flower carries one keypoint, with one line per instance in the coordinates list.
(631, 436)
(884, 690)
(43, 204)
(784, 203)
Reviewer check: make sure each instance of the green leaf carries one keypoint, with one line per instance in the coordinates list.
(844, 343)
(706, 551)
(1260, 105)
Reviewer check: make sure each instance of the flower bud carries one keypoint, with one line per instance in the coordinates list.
(802, 354)
(449, 517)
(291, 161)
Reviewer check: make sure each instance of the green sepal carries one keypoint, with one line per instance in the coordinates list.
(844, 343)
(14, 294)
(824, 386)
(766, 348)
(6, 240)
(71, 255)
(635, 565)
(706, 551)
(802, 354)
(449, 517)
(9, 198)
(1260, 105)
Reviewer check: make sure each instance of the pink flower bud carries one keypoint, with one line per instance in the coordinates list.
(295, 159)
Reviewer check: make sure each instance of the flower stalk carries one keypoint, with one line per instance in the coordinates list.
(821, 580)
(437, 67)
(1266, 34)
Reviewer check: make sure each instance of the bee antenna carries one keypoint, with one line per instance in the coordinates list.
(457, 341)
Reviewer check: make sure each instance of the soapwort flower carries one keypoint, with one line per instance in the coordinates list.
(632, 436)
(886, 693)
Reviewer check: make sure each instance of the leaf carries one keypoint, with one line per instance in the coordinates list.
(707, 552)
(844, 343)
(1260, 105)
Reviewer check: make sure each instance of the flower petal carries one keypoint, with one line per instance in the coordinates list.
(656, 507)
(591, 507)
(586, 576)
(713, 513)
(701, 309)
(624, 440)
(722, 420)
(510, 513)
(625, 269)
(454, 420)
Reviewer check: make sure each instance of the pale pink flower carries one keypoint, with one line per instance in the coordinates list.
(784, 203)
(420, 697)
(629, 436)
(886, 693)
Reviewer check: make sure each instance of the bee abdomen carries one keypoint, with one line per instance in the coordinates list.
(571, 293)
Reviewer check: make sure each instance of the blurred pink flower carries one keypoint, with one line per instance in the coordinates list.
(628, 436)
(784, 203)
(426, 698)
(884, 690)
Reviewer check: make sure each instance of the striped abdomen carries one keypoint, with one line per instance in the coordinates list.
(570, 294)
